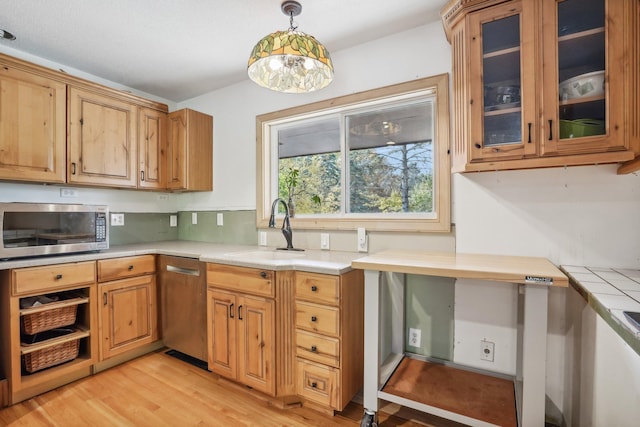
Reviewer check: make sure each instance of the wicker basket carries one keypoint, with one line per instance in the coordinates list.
(50, 319)
(51, 356)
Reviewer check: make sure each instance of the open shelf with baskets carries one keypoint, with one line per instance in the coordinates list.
(52, 328)
(49, 326)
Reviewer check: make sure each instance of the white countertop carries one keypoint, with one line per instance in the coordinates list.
(612, 291)
(314, 261)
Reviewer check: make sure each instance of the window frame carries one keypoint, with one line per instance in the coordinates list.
(265, 169)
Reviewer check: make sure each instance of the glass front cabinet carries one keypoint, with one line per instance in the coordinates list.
(542, 83)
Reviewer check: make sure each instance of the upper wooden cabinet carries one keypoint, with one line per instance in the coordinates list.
(32, 127)
(190, 151)
(152, 149)
(111, 138)
(541, 83)
(102, 140)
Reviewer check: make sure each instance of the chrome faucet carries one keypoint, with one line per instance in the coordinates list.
(286, 225)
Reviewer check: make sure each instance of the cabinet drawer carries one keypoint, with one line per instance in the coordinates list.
(318, 348)
(317, 383)
(120, 268)
(318, 318)
(246, 280)
(318, 288)
(52, 277)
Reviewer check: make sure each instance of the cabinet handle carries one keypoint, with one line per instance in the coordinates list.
(231, 311)
(478, 145)
(314, 348)
(314, 288)
(314, 318)
(529, 139)
(130, 268)
(263, 274)
(73, 168)
(58, 276)
(314, 385)
(550, 130)
(104, 298)
(141, 175)
(239, 312)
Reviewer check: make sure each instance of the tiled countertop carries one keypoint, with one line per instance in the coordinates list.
(314, 261)
(610, 291)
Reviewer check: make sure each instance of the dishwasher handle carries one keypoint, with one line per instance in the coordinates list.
(181, 270)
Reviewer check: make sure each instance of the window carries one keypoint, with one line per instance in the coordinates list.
(377, 159)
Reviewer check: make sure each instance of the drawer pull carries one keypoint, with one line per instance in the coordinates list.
(314, 318)
(314, 288)
(314, 385)
(130, 268)
(263, 274)
(58, 276)
(314, 349)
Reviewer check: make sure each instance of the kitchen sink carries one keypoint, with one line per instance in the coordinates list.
(273, 254)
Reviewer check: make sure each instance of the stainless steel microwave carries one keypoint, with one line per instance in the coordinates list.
(34, 229)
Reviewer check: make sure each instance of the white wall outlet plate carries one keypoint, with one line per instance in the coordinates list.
(487, 349)
(262, 238)
(173, 220)
(117, 219)
(219, 219)
(68, 192)
(415, 337)
(194, 218)
(362, 240)
(324, 241)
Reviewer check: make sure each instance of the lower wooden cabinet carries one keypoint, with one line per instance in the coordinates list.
(48, 327)
(128, 314)
(329, 323)
(290, 334)
(242, 338)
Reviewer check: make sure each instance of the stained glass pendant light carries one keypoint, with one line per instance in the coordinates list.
(290, 61)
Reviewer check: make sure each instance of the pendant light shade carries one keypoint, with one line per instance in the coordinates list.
(290, 61)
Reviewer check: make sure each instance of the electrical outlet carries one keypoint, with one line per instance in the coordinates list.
(415, 337)
(173, 220)
(262, 238)
(194, 218)
(68, 192)
(117, 219)
(324, 241)
(362, 240)
(220, 218)
(487, 350)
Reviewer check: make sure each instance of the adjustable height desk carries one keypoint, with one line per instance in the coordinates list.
(384, 310)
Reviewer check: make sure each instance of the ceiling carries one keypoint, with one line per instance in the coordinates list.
(178, 49)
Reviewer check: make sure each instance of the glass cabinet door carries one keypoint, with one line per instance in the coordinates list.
(500, 128)
(578, 113)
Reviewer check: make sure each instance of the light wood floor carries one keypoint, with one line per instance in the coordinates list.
(159, 390)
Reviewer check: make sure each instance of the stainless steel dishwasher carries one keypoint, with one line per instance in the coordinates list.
(184, 305)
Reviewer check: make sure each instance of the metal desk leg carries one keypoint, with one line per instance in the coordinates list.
(534, 355)
(371, 353)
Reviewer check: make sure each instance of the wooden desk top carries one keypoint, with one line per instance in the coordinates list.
(501, 268)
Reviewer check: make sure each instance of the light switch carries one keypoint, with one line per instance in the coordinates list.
(173, 220)
(194, 218)
(219, 219)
